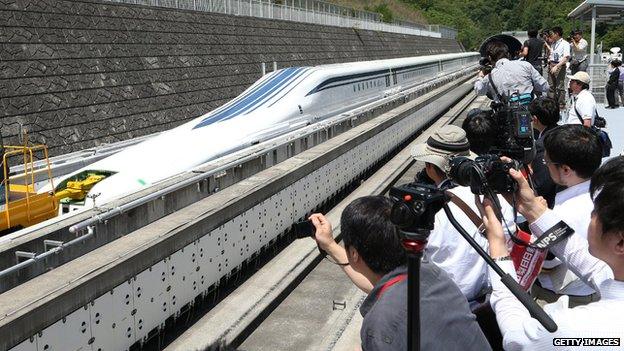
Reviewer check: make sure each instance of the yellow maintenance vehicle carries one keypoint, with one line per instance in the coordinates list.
(22, 205)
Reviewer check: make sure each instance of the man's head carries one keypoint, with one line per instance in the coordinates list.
(577, 35)
(532, 33)
(616, 63)
(573, 154)
(579, 81)
(480, 131)
(371, 240)
(446, 142)
(606, 229)
(497, 50)
(545, 113)
(556, 33)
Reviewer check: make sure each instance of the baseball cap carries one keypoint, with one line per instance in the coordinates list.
(446, 142)
(581, 77)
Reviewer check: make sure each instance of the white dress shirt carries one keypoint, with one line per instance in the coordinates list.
(560, 49)
(585, 103)
(574, 206)
(451, 252)
(602, 319)
(511, 77)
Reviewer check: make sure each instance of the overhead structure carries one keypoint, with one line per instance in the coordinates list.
(608, 11)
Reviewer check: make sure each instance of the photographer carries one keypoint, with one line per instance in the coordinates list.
(545, 115)
(377, 259)
(508, 77)
(599, 261)
(559, 56)
(572, 155)
(583, 102)
(445, 247)
(579, 60)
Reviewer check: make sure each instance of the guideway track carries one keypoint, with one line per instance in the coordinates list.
(303, 296)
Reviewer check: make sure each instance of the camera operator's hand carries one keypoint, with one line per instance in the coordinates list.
(493, 227)
(323, 234)
(529, 205)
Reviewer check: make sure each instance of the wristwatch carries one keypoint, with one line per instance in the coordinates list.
(504, 258)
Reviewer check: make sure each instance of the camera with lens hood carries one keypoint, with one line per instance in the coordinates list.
(485, 173)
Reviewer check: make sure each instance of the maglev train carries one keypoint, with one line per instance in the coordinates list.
(281, 101)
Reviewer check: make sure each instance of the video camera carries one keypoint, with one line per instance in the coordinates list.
(485, 173)
(514, 134)
(414, 209)
(485, 65)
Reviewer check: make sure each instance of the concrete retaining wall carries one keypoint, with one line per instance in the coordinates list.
(79, 73)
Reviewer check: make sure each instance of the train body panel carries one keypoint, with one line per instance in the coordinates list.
(279, 102)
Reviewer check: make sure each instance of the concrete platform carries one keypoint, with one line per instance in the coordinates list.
(615, 127)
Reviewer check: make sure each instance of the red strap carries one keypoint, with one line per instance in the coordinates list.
(391, 282)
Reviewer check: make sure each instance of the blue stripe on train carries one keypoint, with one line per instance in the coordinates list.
(267, 93)
(239, 102)
(253, 98)
(284, 87)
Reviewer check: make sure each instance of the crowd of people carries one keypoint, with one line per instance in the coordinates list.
(565, 189)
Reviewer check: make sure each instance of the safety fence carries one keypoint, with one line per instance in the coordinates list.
(308, 11)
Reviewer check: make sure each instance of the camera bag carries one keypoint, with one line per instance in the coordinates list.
(599, 123)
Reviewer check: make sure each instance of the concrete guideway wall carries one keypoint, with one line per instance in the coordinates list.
(80, 73)
(141, 279)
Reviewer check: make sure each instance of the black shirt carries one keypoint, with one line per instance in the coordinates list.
(446, 321)
(535, 46)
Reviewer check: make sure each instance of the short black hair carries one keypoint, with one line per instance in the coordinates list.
(608, 186)
(532, 33)
(546, 110)
(576, 146)
(616, 63)
(497, 50)
(365, 225)
(557, 30)
(480, 132)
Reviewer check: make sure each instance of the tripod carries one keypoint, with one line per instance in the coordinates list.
(414, 244)
(534, 309)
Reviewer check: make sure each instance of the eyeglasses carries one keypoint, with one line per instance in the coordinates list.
(550, 163)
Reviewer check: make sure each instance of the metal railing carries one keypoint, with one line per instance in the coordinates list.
(308, 11)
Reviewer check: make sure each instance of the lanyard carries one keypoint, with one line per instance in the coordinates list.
(391, 282)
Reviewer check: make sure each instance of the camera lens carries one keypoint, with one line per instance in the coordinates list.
(461, 169)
